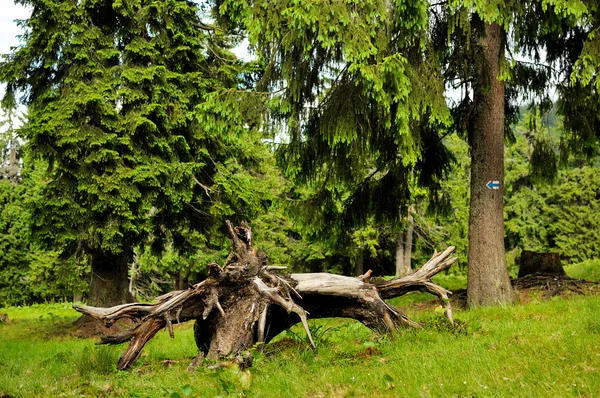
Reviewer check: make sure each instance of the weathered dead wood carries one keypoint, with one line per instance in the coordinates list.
(421, 280)
(244, 303)
(140, 336)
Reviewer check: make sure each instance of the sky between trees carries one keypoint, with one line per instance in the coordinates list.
(9, 30)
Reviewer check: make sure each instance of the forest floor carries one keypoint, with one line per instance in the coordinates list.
(544, 347)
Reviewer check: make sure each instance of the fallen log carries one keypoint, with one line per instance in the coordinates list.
(246, 302)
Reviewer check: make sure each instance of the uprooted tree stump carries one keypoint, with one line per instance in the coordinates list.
(246, 302)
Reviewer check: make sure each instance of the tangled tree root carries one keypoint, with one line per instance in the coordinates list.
(246, 302)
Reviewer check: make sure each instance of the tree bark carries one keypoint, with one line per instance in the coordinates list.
(109, 283)
(400, 271)
(181, 279)
(409, 242)
(12, 170)
(359, 264)
(488, 280)
(404, 247)
(245, 303)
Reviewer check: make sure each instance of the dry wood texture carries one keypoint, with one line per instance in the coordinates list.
(245, 302)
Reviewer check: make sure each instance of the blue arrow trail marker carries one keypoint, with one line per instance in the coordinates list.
(493, 184)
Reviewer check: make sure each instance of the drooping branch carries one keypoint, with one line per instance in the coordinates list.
(244, 303)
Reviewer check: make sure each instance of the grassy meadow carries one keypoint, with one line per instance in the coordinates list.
(544, 348)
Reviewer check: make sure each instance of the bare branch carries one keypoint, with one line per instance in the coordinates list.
(288, 305)
(248, 299)
(205, 26)
(365, 276)
(205, 187)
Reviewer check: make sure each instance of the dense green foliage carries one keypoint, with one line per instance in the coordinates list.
(111, 92)
(563, 217)
(151, 133)
(560, 215)
(28, 273)
(362, 104)
(135, 108)
(15, 257)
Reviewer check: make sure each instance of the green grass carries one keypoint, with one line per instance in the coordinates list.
(542, 349)
(588, 270)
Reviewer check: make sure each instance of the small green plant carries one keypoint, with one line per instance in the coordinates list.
(183, 392)
(319, 333)
(442, 324)
(231, 379)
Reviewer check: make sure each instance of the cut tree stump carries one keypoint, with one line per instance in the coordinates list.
(246, 302)
(531, 263)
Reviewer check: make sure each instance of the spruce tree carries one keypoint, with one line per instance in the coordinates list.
(467, 32)
(361, 99)
(134, 106)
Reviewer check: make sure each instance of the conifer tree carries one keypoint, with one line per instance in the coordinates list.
(362, 91)
(361, 98)
(134, 106)
(476, 59)
(484, 37)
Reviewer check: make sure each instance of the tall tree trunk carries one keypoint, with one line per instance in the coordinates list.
(135, 267)
(409, 241)
(488, 280)
(400, 271)
(13, 164)
(404, 247)
(359, 267)
(11, 171)
(109, 284)
(182, 280)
